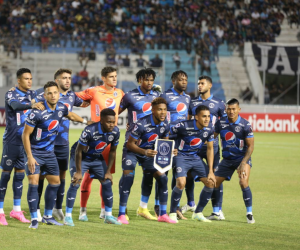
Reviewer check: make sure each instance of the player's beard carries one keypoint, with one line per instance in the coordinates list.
(203, 92)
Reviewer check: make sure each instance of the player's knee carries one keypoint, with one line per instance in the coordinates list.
(243, 183)
(210, 184)
(128, 172)
(180, 183)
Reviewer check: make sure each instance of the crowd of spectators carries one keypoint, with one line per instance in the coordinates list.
(162, 24)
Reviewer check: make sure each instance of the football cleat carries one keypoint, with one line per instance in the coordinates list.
(199, 217)
(214, 216)
(222, 215)
(3, 221)
(173, 216)
(68, 221)
(187, 208)
(19, 216)
(144, 212)
(111, 220)
(58, 214)
(34, 224)
(126, 214)
(51, 221)
(166, 218)
(250, 218)
(83, 217)
(102, 214)
(122, 219)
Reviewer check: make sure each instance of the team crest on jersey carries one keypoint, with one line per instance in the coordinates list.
(100, 146)
(8, 162)
(110, 103)
(205, 134)
(135, 128)
(53, 126)
(237, 129)
(32, 115)
(60, 114)
(128, 162)
(111, 137)
(71, 98)
(9, 95)
(162, 130)
(211, 105)
(84, 134)
(115, 94)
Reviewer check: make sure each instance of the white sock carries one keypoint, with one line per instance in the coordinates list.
(108, 213)
(83, 210)
(17, 208)
(143, 204)
(1, 211)
(249, 213)
(68, 215)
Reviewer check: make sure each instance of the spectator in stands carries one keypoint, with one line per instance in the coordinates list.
(119, 61)
(76, 81)
(156, 62)
(140, 61)
(126, 61)
(205, 66)
(83, 56)
(84, 76)
(176, 60)
(246, 95)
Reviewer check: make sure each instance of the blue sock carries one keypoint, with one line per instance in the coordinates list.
(127, 181)
(107, 195)
(163, 193)
(18, 187)
(60, 194)
(50, 197)
(5, 176)
(189, 189)
(156, 194)
(147, 183)
(247, 196)
(215, 200)
(175, 198)
(173, 183)
(205, 196)
(32, 198)
(40, 191)
(221, 196)
(71, 196)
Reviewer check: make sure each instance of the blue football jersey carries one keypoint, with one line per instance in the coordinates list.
(69, 100)
(46, 127)
(190, 138)
(15, 120)
(147, 132)
(96, 140)
(177, 106)
(233, 137)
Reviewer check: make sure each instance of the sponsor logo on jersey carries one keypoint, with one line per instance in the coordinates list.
(97, 110)
(53, 126)
(152, 138)
(147, 108)
(71, 98)
(110, 103)
(100, 146)
(68, 106)
(195, 143)
(241, 146)
(230, 137)
(181, 108)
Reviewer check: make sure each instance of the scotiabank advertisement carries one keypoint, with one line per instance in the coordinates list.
(286, 123)
(2, 117)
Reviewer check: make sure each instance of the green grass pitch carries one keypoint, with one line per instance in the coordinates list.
(274, 181)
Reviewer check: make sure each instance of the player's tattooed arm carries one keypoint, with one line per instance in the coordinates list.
(111, 159)
(210, 160)
(241, 170)
(133, 147)
(77, 177)
(27, 146)
(76, 118)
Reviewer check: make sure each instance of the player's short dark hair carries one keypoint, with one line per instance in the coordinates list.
(207, 78)
(106, 70)
(106, 112)
(200, 108)
(158, 100)
(50, 84)
(178, 73)
(144, 73)
(232, 101)
(21, 71)
(61, 71)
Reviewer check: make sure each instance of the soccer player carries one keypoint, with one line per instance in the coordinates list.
(138, 104)
(191, 136)
(217, 110)
(100, 97)
(177, 106)
(17, 105)
(61, 149)
(86, 155)
(40, 131)
(237, 147)
(139, 148)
